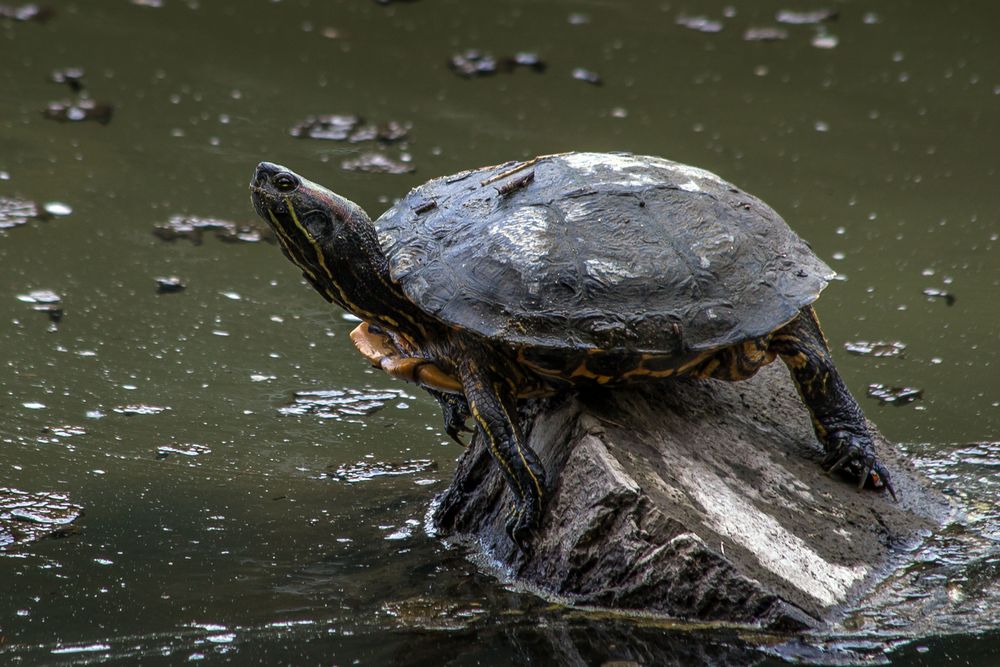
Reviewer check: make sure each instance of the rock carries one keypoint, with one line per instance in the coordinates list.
(701, 500)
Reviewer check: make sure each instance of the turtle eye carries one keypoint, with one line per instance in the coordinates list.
(285, 182)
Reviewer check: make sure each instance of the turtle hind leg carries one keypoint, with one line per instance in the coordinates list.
(837, 418)
(491, 400)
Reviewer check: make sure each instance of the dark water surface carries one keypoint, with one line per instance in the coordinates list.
(219, 528)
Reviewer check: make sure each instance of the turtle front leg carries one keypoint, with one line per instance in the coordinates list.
(455, 410)
(491, 399)
(837, 417)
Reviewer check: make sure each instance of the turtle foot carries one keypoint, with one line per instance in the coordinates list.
(855, 456)
(455, 411)
(521, 524)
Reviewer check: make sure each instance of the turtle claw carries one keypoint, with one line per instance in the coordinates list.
(455, 411)
(455, 431)
(520, 525)
(855, 456)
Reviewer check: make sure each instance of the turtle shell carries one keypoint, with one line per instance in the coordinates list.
(599, 251)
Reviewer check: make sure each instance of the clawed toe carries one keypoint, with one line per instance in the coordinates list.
(520, 525)
(857, 459)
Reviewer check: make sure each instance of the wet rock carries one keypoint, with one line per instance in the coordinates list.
(349, 127)
(364, 471)
(26, 516)
(28, 12)
(71, 76)
(876, 349)
(765, 34)
(894, 395)
(426, 613)
(45, 301)
(340, 404)
(587, 76)
(193, 228)
(793, 17)
(472, 63)
(376, 163)
(699, 23)
(169, 285)
(79, 110)
(705, 502)
(936, 293)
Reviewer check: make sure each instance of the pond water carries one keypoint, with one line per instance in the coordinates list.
(226, 518)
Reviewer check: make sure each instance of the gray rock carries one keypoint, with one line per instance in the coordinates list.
(701, 500)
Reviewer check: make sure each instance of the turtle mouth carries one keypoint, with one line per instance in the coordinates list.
(263, 201)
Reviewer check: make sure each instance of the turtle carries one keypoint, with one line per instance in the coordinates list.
(567, 271)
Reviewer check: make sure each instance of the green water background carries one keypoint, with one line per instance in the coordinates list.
(881, 151)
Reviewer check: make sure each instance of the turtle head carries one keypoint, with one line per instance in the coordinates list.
(317, 229)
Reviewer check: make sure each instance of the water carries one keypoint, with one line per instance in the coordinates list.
(217, 528)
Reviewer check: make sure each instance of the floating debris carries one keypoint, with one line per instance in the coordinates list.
(587, 76)
(699, 23)
(71, 76)
(332, 126)
(340, 404)
(169, 285)
(376, 163)
(824, 40)
(472, 63)
(349, 127)
(16, 212)
(163, 451)
(155, 4)
(193, 228)
(45, 301)
(765, 34)
(576, 18)
(389, 2)
(525, 59)
(792, 17)
(26, 517)
(936, 293)
(364, 471)
(894, 395)
(54, 209)
(29, 12)
(80, 110)
(876, 348)
(66, 431)
(138, 409)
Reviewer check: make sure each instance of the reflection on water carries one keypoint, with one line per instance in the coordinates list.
(223, 522)
(26, 517)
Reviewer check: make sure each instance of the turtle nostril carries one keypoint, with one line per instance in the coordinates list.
(264, 171)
